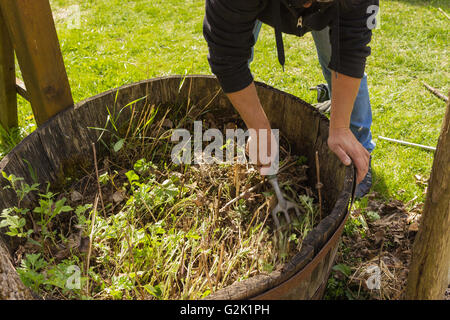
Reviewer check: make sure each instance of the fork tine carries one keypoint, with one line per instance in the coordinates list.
(275, 218)
(286, 215)
(297, 211)
(294, 206)
(283, 205)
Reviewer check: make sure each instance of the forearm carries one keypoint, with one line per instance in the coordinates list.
(341, 140)
(247, 103)
(345, 90)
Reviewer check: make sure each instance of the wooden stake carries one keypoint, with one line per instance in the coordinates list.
(430, 263)
(33, 35)
(8, 101)
(22, 90)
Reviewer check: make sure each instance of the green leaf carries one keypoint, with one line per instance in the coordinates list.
(206, 293)
(66, 209)
(104, 178)
(82, 209)
(343, 268)
(118, 145)
(154, 290)
(3, 223)
(31, 170)
(132, 176)
(373, 216)
(302, 160)
(22, 222)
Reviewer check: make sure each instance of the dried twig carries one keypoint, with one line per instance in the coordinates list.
(443, 12)
(88, 257)
(436, 92)
(244, 193)
(98, 180)
(255, 214)
(219, 266)
(206, 270)
(319, 185)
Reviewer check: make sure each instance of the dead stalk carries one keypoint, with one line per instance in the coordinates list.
(436, 92)
(133, 110)
(98, 180)
(219, 266)
(319, 185)
(237, 181)
(88, 257)
(256, 213)
(243, 194)
(443, 12)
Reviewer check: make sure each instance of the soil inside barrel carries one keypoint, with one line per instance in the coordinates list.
(160, 231)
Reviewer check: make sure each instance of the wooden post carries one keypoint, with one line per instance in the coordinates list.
(33, 34)
(430, 263)
(8, 101)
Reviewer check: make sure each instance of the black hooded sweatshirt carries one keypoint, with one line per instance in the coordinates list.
(228, 29)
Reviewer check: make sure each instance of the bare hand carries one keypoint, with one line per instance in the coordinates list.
(344, 144)
(265, 161)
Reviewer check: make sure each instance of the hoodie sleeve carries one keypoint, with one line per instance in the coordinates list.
(350, 34)
(228, 30)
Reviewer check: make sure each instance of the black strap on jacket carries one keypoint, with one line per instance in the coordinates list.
(290, 4)
(278, 36)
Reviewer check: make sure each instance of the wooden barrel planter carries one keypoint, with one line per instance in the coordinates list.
(66, 139)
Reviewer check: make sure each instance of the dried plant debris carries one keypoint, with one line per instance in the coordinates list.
(157, 230)
(376, 251)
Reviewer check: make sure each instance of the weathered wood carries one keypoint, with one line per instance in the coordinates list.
(8, 100)
(8, 197)
(11, 288)
(33, 34)
(22, 90)
(430, 262)
(67, 137)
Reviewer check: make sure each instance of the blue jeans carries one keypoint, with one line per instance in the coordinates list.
(361, 118)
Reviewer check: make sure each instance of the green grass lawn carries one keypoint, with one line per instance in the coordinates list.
(121, 42)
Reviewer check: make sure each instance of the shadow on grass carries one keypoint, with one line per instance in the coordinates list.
(379, 185)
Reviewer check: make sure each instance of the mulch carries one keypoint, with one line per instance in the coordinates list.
(379, 256)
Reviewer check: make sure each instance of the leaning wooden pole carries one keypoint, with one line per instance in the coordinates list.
(430, 263)
(8, 99)
(35, 41)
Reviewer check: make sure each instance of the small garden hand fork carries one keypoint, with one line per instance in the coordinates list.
(283, 205)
